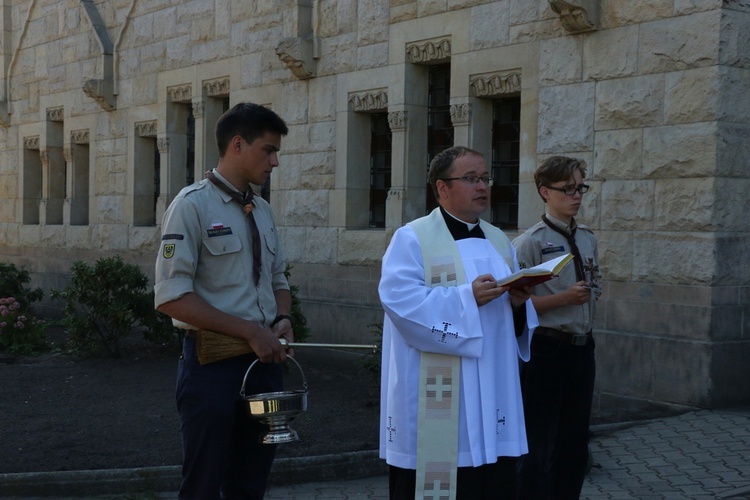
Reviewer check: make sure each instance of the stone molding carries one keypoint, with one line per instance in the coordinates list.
(31, 142)
(101, 91)
(460, 114)
(395, 193)
(397, 120)
(579, 16)
(101, 88)
(146, 129)
(68, 154)
(493, 84)
(369, 100)
(297, 54)
(426, 51)
(180, 93)
(79, 136)
(217, 87)
(55, 114)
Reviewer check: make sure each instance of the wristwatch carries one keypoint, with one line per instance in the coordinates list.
(279, 317)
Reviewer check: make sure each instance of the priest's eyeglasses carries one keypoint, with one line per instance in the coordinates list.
(571, 190)
(471, 179)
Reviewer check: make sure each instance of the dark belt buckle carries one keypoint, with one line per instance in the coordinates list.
(579, 339)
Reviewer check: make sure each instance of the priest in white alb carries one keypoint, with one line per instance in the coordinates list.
(451, 412)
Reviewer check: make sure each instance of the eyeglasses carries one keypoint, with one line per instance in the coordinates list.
(471, 179)
(571, 190)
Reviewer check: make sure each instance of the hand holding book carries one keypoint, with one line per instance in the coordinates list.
(538, 274)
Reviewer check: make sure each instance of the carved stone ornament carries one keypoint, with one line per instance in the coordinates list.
(31, 142)
(180, 93)
(79, 136)
(55, 114)
(493, 84)
(371, 100)
(460, 113)
(297, 54)
(577, 16)
(146, 129)
(198, 108)
(218, 87)
(101, 91)
(395, 193)
(425, 51)
(162, 144)
(68, 154)
(397, 120)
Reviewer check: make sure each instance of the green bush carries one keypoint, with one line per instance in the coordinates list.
(12, 284)
(20, 331)
(104, 303)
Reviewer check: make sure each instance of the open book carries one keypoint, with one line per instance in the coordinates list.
(537, 274)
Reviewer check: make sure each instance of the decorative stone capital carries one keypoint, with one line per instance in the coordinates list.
(369, 100)
(218, 87)
(31, 142)
(492, 84)
(460, 113)
(55, 114)
(68, 154)
(146, 129)
(100, 90)
(180, 93)
(297, 54)
(162, 144)
(425, 51)
(79, 136)
(577, 16)
(397, 120)
(198, 107)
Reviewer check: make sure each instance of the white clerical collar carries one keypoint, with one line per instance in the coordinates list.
(468, 224)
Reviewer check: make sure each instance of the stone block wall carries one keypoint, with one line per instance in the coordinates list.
(653, 94)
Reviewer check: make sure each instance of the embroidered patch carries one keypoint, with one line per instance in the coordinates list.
(168, 251)
(442, 275)
(444, 332)
(220, 231)
(172, 237)
(547, 251)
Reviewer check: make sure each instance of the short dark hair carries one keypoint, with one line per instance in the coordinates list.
(442, 163)
(556, 169)
(249, 121)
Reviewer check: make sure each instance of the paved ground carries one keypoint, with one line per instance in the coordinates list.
(697, 455)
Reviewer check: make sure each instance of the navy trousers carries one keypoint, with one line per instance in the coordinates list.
(558, 386)
(222, 456)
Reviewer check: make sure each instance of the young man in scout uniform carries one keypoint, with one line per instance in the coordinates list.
(558, 381)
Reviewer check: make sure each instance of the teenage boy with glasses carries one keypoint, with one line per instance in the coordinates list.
(558, 381)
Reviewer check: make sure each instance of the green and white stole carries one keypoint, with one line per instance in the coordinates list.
(440, 374)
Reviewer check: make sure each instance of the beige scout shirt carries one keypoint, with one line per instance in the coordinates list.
(206, 249)
(540, 244)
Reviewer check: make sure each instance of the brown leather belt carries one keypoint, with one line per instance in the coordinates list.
(577, 339)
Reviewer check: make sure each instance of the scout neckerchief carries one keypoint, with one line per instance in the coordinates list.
(248, 204)
(440, 374)
(571, 237)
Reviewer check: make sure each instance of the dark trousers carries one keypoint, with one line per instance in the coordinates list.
(558, 386)
(222, 455)
(491, 481)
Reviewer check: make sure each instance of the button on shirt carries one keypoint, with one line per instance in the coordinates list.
(540, 244)
(206, 249)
